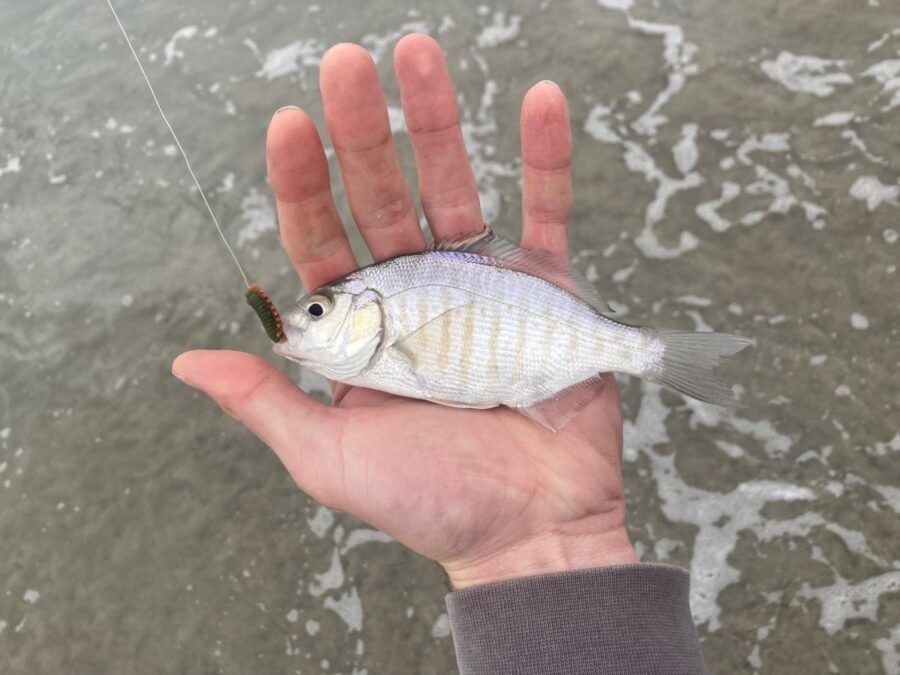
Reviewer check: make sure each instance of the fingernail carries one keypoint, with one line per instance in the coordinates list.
(283, 108)
(550, 82)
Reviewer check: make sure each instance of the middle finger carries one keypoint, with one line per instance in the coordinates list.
(356, 113)
(446, 182)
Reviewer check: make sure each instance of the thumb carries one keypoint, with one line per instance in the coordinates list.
(302, 432)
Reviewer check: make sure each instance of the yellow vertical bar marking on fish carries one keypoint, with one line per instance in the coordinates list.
(599, 347)
(521, 332)
(465, 362)
(574, 344)
(493, 367)
(444, 347)
(547, 341)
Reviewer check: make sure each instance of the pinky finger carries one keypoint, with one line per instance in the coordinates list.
(547, 168)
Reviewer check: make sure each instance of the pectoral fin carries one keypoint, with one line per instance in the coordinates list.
(429, 345)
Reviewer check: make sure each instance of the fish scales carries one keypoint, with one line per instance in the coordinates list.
(536, 320)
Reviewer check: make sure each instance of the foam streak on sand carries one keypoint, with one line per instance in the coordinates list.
(873, 192)
(292, 58)
(258, 215)
(843, 601)
(13, 165)
(171, 48)
(807, 74)
(721, 518)
(887, 73)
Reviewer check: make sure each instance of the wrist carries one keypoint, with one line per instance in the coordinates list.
(543, 553)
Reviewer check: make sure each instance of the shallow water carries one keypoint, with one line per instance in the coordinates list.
(736, 168)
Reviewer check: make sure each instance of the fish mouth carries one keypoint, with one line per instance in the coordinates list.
(283, 349)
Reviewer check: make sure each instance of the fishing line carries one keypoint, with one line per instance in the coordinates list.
(255, 296)
(178, 143)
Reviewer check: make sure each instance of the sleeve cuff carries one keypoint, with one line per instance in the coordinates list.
(622, 619)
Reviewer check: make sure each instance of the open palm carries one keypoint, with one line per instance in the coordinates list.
(490, 494)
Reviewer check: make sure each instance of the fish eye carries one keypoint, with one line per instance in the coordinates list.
(318, 306)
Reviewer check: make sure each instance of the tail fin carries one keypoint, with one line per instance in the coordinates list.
(688, 362)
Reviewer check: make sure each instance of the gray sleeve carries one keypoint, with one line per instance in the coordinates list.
(622, 619)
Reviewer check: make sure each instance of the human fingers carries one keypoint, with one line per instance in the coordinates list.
(446, 182)
(356, 113)
(311, 229)
(302, 432)
(547, 168)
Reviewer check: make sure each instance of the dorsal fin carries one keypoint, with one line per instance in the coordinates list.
(536, 262)
(465, 241)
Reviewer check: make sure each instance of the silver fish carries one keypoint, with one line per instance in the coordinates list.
(479, 323)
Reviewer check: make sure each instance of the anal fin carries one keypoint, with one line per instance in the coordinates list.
(556, 411)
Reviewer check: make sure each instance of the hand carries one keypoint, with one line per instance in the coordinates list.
(489, 494)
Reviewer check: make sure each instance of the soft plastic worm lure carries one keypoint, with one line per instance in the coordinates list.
(265, 310)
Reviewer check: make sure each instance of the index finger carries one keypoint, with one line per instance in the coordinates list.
(446, 182)
(311, 229)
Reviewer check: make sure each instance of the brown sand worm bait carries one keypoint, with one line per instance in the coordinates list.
(265, 310)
